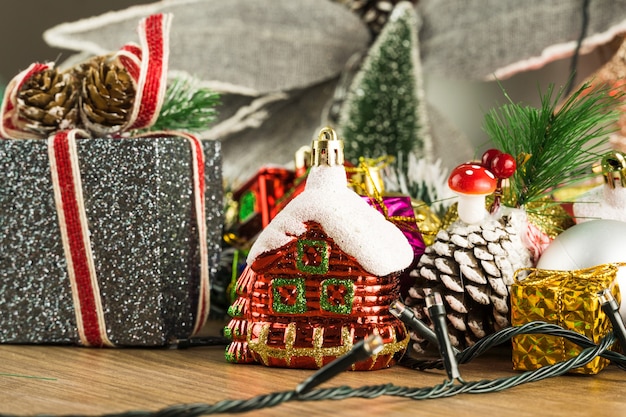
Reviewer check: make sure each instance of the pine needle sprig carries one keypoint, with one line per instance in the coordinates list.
(187, 106)
(554, 146)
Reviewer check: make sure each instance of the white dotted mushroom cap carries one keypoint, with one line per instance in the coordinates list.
(472, 179)
(359, 230)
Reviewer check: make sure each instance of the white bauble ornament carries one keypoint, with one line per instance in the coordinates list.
(588, 244)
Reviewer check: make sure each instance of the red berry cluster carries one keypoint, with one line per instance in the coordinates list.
(501, 164)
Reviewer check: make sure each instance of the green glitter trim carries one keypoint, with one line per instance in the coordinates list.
(234, 311)
(348, 298)
(230, 357)
(228, 333)
(322, 249)
(246, 206)
(278, 306)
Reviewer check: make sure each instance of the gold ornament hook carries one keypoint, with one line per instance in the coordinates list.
(327, 149)
(614, 169)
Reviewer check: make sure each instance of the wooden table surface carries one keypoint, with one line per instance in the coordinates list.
(72, 380)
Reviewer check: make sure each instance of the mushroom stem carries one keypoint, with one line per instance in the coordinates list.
(471, 208)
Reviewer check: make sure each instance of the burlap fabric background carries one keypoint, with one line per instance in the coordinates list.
(277, 62)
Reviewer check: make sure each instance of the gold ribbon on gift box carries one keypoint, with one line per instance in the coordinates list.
(565, 298)
(366, 178)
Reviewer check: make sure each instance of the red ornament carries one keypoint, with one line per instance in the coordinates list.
(320, 277)
(503, 165)
(489, 156)
(258, 199)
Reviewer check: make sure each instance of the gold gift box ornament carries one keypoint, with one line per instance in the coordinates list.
(566, 298)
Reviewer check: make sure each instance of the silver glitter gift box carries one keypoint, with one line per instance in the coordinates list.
(138, 201)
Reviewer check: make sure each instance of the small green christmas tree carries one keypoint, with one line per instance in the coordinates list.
(384, 113)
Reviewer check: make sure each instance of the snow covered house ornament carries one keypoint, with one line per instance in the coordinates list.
(320, 276)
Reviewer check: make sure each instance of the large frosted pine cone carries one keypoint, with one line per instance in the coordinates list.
(472, 267)
(107, 96)
(47, 102)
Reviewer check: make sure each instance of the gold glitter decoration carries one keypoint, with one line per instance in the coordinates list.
(450, 217)
(287, 353)
(391, 349)
(566, 298)
(318, 352)
(549, 216)
(427, 221)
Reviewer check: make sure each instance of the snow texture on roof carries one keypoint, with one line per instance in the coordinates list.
(359, 230)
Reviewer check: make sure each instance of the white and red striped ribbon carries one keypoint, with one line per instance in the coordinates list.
(74, 229)
(147, 64)
(130, 57)
(200, 213)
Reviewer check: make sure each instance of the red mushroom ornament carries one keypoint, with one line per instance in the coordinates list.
(472, 183)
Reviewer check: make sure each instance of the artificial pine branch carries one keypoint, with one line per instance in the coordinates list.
(187, 106)
(555, 146)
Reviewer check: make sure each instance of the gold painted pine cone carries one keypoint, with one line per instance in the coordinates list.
(472, 267)
(107, 96)
(47, 102)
